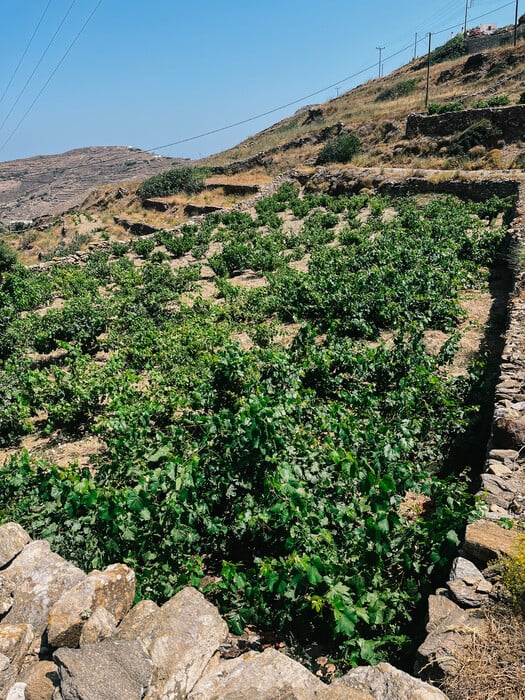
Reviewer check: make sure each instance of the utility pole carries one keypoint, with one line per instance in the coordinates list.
(428, 68)
(380, 49)
(516, 24)
(466, 14)
(415, 46)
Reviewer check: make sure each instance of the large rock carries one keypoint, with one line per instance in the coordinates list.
(113, 589)
(110, 670)
(467, 584)
(15, 642)
(181, 638)
(40, 680)
(267, 676)
(100, 625)
(509, 432)
(384, 682)
(485, 540)
(38, 578)
(13, 539)
(449, 629)
(138, 621)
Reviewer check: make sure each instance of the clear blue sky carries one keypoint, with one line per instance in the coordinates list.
(150, 73)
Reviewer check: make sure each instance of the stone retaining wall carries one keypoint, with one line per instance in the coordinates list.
(510, 120)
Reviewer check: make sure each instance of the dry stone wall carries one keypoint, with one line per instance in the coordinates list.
(67, 635)
(510, 120)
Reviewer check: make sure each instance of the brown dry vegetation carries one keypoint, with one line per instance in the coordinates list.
(492, 665)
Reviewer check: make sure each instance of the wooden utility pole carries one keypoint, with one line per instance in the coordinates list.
(380, 49)
(428, 68)
(516, 24)
(415, 46)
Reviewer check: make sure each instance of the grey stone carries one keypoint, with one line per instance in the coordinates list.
(466, 595)
(4, 662)
(438, 654)
(99, 626)
(38, 578)
(463, 568)
(17, 692)
(267, 676)
(113, 589)
(181, 639)
(503, 455)
(40, 679)
(384, 682)
(110, 670)
(15, 642)
(13, 539)
(137, 622)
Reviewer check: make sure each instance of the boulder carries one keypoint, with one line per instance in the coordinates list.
(113, 589)
(181, 638)
(13, 539)
(136, 623)
(40, 680)
(467, 584)
(110, 670)
(267, 676)
(384, 682)
(448, 633)
(509, 432)
(485, 540)
(15, 643)
(38, 578)
(99, 626)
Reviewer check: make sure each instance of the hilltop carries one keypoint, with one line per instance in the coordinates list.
(50, 184)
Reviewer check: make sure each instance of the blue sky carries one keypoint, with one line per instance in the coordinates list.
(147, 74)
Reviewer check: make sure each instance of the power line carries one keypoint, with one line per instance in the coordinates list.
(38, 64)
(68, 50)
(267, 112)
(26, 50)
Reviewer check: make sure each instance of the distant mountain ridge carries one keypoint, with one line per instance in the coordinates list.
(32, 187)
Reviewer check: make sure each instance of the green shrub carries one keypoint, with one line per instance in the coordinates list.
(496, 101)
(436, 108)
(143, 247)
(339, 150)
(402, 89)
(453, 48)
(7, 257)
(482, 133)
(521, 100)
(188, 180)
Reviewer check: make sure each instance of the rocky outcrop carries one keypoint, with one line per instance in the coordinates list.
(71, 636)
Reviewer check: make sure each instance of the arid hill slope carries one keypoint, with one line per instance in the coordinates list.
(32, 187)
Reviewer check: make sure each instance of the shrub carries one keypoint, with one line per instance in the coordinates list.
(143, 247)
(402, 89)
(188, 180)
(513, 573)
(7, 257)
(521, 100)
(436, 108)
(339, 150)
(453, 48)
(482, 133)
(496, 101)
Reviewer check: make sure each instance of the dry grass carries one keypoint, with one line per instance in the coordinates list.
(492, 665)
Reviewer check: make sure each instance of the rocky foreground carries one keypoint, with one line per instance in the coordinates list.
(67, 635)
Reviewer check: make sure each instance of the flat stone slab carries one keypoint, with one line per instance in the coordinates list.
(486, 540)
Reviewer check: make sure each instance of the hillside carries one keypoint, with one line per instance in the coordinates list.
(278, 387)
(32, 187)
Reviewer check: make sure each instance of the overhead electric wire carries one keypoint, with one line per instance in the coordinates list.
(38, 64)
(64, 56)
(26, 50)
(262, 114)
